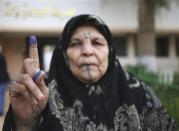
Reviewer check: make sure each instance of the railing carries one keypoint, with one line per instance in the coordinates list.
(165, 77)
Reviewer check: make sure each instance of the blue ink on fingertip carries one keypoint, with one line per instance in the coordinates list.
(36, 75)
(32, 40)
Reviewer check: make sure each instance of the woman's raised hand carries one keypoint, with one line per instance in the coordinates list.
(29, 94)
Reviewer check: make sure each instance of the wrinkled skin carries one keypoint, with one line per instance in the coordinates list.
(27, 98)
(87, 54)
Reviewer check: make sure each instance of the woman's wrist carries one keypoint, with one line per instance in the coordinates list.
(25, 125)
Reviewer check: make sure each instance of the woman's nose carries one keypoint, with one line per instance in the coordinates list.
(87, 50)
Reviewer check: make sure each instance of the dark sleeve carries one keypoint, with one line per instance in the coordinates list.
(153, 115)
(4, 73)
(6, 77)
(7, 126)
(47, 121)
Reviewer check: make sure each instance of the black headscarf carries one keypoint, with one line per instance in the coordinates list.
(113, 86)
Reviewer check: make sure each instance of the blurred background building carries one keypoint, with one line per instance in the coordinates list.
(46, 19)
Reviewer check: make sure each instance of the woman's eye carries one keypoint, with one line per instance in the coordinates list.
(74, 44)
(96, 43)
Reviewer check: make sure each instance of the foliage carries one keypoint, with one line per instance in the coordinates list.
(161, 3)
(168, 94)
(141, 72)
(169, 97)
(176, 79)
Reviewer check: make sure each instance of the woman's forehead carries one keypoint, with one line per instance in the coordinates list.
(86, 31)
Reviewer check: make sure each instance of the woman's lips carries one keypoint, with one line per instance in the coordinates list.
(88, 64)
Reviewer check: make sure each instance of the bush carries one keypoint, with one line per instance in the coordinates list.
(176, 79)
(141, 73)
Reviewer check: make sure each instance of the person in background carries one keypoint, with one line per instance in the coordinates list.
(4, 78)
(86, 88)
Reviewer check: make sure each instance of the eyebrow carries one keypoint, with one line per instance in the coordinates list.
(75, 39)
(100, 39)
(79, 37)
(76, 36)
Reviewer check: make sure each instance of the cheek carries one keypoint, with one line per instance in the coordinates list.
(103, 59)
(72, 56)
(72, 59)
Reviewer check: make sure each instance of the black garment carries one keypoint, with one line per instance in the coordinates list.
(153, 116)
(4, 77)
(116, 102)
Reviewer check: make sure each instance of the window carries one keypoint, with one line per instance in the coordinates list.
(162, 46)
(120, 44)
(177, 46)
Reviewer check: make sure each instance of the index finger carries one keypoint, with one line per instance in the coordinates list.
(33, 54)
(33, 51)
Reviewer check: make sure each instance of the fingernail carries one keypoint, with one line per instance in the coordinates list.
(32, 40)
(41, 96)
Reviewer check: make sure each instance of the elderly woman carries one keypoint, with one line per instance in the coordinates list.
(87, 89)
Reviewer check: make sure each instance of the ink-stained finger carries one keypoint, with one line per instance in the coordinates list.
(33, 50)
(33, 54)
(36, 74)
(38, 77)
(29, 67)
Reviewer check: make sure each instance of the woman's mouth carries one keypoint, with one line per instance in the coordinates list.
(87, 65)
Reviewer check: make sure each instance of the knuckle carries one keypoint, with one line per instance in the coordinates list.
(12, 84)
(29, 66)
(17, 87)
(22, 88)
(25, 77)
(27, 61)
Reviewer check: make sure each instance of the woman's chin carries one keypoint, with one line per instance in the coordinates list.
(88, 80)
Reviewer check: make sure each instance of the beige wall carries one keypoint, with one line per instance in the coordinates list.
(13, 48)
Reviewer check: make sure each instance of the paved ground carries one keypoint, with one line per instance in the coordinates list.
(6, 107)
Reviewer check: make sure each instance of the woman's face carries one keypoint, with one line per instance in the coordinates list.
(87, 54)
